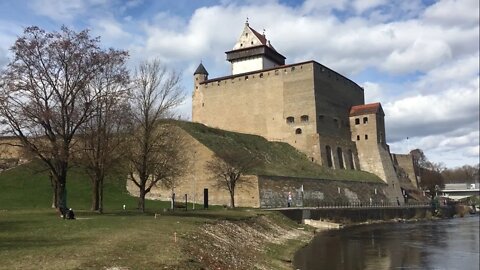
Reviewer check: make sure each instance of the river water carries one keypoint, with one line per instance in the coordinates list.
(448, 244)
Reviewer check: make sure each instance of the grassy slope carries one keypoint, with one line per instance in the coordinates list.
(27, 186)
(32, 236)
(278, 159)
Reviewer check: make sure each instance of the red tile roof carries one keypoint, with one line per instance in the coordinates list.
(372, 108)
(261, 37)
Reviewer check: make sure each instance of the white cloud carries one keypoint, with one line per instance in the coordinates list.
(363, 5)
(64, 11)
(458, 13)
(421, 55)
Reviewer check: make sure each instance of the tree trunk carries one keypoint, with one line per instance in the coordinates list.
(62, 197)
(141, 200)
(232, 199)
(100, 195)
(54, 192)
(95, 194)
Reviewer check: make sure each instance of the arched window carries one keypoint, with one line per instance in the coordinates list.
(304, 118)
(352, 158)
(365, 120)
(329, 156)
(290, 120)
(340, 158)
(298, 131)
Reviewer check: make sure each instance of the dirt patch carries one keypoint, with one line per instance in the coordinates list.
(239, 244)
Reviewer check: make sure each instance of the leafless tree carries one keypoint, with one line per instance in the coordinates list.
(103, 135)
(156, 148)
(227, 167)
(46, 98)
(430, 173)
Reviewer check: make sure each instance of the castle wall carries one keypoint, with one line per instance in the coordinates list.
(274, 192)
(406, 163)
(9, 148)
(197, 178)
(305, 105)
(373, 152)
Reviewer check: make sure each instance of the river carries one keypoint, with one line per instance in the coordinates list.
(448, 244)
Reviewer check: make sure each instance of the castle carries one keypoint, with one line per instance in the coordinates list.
(308, 105)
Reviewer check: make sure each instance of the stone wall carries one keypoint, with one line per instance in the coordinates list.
(274, 192)
(406, 163)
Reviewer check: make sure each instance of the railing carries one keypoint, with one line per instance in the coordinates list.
(360, 205)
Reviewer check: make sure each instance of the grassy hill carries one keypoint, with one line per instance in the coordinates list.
(28, 186)
(276, 158)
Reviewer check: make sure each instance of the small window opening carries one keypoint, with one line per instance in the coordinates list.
(203, 104)
(261, 75)
(196, 79)
(246, 34)
(366, 137)
(293, 68)
(246, 78)
(329, 156)
(298, 131)
(365, 120)
(290, 120)
(241, 44)
(357, 121)
(304, 118)
(251, 42)
(358, 137)
(340, 158)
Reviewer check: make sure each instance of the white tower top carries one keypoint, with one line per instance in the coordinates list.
(253, 52)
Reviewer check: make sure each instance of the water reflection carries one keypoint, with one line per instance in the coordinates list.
(446, 244)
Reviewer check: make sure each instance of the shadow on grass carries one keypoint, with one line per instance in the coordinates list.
(17, 243)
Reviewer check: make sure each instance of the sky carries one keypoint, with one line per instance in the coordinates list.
(419, 58)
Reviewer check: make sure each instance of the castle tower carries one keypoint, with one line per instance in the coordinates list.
(200, 75)
(253, 52)
(367, 126)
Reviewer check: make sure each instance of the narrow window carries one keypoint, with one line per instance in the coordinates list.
(290, 120)
(357, 121)
(293, 68)
(304, 118)
(340, 158)
(351, 157)
(246, 78)
(298, 131)
(358, 137)
(366, 136)
(261, 75)
(329, 156)
(365, 120)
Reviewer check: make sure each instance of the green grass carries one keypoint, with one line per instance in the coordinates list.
(33, 236)
(28, 186)
(276, 158)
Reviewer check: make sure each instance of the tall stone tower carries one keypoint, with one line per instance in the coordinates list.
(367, 125)
(253, 52)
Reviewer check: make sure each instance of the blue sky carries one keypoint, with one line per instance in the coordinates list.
(420, 59)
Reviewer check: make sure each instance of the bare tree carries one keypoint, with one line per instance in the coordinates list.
(46, 98)
(155, 155)
(430, 173)
(227, 167)
(104, 134)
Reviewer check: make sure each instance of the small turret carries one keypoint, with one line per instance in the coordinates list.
(200, 75)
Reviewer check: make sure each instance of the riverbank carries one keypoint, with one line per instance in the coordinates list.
(127, 240)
